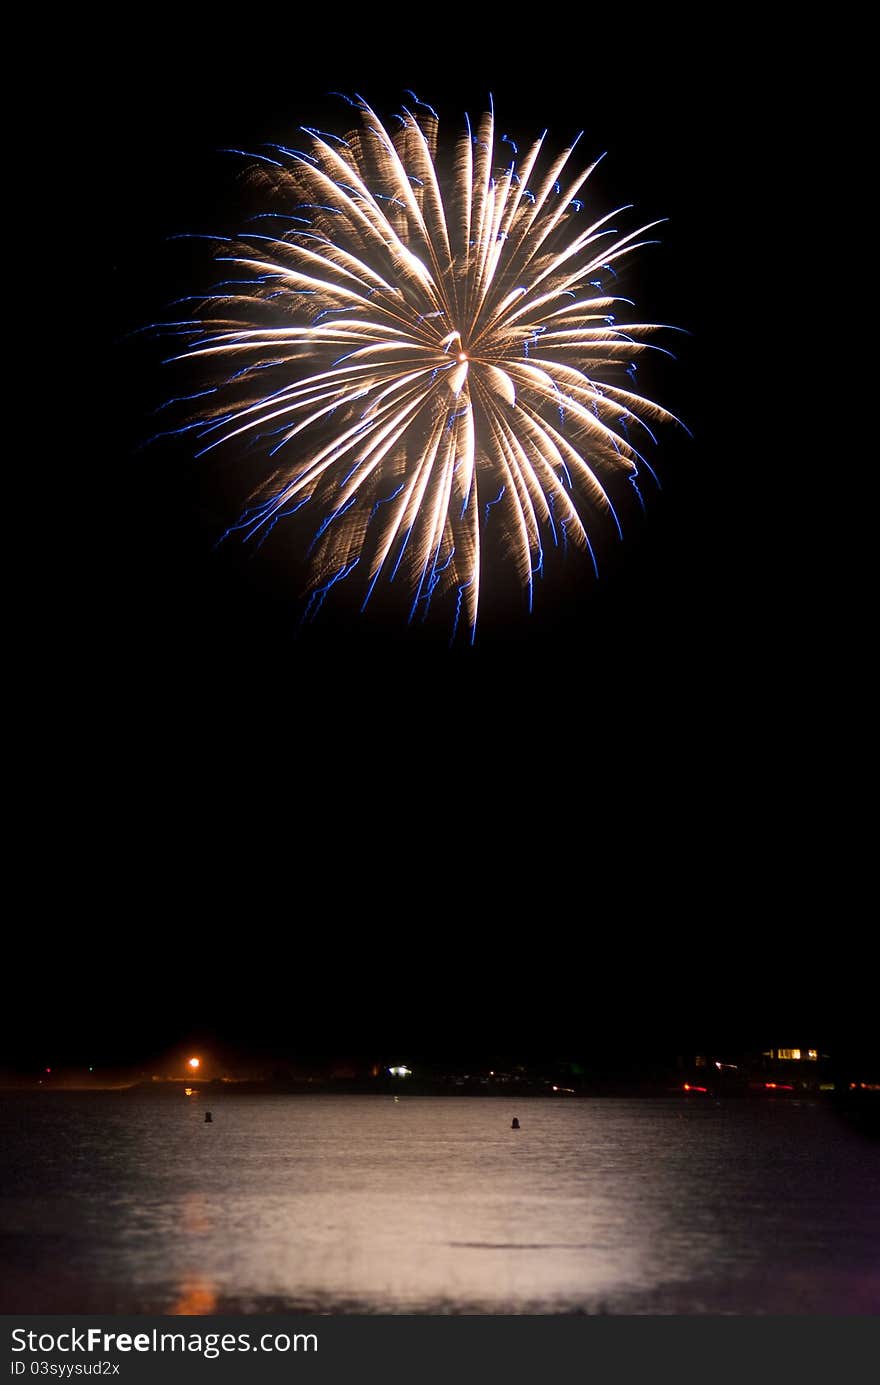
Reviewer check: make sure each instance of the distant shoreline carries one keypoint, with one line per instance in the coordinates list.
(514, 1091)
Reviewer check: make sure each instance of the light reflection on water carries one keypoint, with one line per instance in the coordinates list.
(195, 1298)
(130, 1202)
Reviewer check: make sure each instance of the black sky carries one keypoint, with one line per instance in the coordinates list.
(621, 817)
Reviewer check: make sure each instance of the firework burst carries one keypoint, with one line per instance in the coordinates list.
(417, 351)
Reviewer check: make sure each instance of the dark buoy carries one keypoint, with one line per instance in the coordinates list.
(514, 1124)
(208, 1118)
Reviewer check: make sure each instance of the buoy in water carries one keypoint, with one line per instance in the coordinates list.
(514, 1124)
(208, 1118)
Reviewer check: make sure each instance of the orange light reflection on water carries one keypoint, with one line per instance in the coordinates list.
(194, 1298)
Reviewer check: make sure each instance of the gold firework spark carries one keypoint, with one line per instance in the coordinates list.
(436, 349)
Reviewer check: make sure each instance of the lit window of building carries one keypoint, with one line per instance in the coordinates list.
(788, 1053)
(813, 1054)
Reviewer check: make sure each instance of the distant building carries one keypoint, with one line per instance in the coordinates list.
(793, 1055)
(795, 1069)
(772, 1070)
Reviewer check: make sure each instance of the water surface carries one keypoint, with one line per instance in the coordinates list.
(129, 1202)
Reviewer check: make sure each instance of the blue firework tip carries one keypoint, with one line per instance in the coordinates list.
(299, 154)
(427, 595)
(328, 520)
(234, 414)
(463, 586)
(316, 600)
(358, 103)
(468, 494)
(198, 423)
(592, 555)
(437, 572)
(324, 135)
(248, 154)
(185, 398)
(628, 418)
(243, 283)
(253, 368)
(276, 216)
(263, 518)
(651, 472)
(348, 475)
(206, 429)
(183, 325)
(490, 503)
(400, 554)
(505, 139)
(424, 105)
(383, 138)
(434, 578)
(205, 297)
(634, 482)
(530, 584)
(327, 312)
(248, 517)
(274, 433)
(386, 499)
(285, 429)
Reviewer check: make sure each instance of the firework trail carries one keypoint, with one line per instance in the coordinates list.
(418, 351)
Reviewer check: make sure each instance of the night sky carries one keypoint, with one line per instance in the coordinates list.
(608, 825)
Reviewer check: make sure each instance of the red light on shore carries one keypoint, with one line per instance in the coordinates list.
(48, 1069)
(778, 1087)
(689, 1088)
